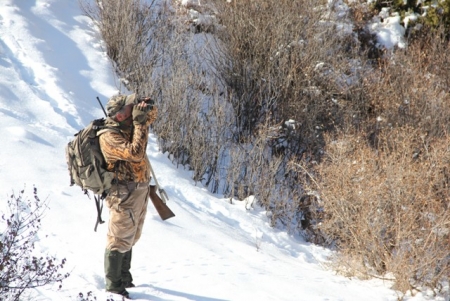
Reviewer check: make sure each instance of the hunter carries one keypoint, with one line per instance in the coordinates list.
(125, 154)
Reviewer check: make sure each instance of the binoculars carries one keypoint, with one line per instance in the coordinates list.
(150, 102)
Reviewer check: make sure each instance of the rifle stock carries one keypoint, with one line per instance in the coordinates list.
(161, 207)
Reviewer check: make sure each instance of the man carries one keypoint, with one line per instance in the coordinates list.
(125, 154)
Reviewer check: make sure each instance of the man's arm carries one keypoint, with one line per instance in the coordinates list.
(115, 146)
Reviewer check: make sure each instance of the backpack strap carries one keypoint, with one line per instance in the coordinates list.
(105, 129)
(99, 206)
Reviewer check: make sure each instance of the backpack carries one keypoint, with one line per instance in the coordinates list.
(86, 164)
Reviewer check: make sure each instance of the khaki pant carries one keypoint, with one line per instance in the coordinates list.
(127, 211)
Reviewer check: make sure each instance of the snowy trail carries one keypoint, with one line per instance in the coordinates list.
(51, 69)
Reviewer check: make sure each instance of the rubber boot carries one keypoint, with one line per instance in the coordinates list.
(127, 279)
(113, 272)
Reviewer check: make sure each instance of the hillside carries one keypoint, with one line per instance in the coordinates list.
(52, 68)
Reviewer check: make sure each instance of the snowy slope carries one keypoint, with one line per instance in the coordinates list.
(52, 67)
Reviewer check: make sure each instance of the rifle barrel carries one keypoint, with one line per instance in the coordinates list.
(102, 106)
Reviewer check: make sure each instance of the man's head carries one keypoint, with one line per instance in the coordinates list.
(119, 107)
(117, 102)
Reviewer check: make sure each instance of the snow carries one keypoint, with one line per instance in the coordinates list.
(386, 26)
(389, 32)
(52, 68)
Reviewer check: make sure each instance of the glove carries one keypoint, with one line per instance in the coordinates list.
(139, 115)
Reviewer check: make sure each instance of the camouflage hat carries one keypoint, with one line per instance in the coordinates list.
(117, 102)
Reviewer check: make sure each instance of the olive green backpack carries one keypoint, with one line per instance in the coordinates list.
(86, 164)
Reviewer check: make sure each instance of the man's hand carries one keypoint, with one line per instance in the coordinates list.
(140, 113)
(150, 102)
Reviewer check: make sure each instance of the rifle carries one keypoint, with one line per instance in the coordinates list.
(159, 204)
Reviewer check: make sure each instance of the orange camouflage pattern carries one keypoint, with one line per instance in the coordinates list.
(125, 151)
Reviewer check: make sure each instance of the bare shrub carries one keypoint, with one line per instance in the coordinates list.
(380, 195)
(255, 169)
(195, 121)
(130, 30)
(388, 209)
(22, 268)
(411, 88)
(290, 62)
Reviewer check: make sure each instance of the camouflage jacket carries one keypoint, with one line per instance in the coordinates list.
(125, 151)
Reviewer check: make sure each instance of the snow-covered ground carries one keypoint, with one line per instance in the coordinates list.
(52, 68)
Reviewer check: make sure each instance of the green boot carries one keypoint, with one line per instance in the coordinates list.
(113, 272)
(127, 279)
